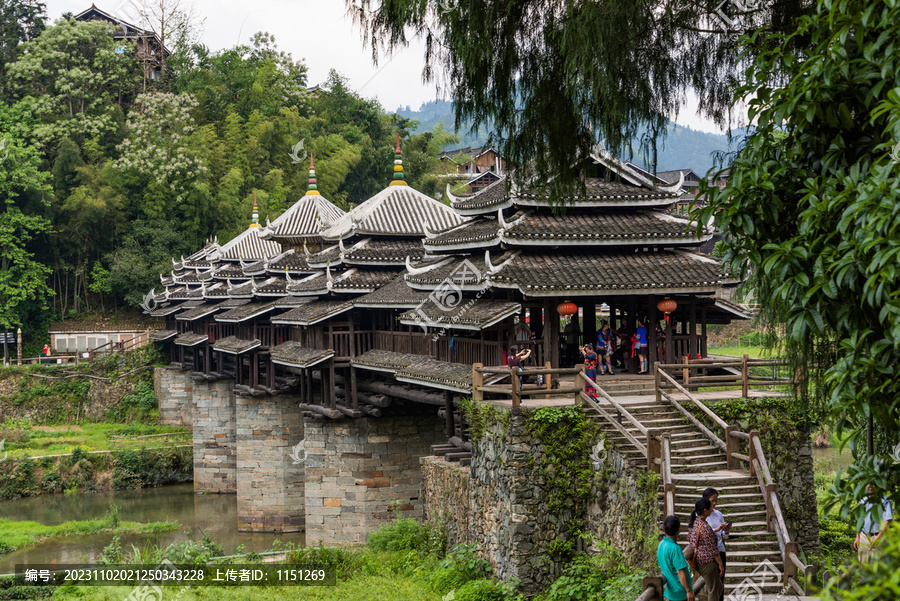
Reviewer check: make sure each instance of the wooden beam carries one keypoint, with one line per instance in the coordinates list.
(652, 355)
(448, 414)
(354, 394)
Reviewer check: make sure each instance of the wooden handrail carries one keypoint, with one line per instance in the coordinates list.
(531, 371)
(592, 403)
(718, 441)
(739, 434)
(641, 428)
(695, 400)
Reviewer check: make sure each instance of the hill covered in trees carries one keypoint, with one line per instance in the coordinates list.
(682, 148)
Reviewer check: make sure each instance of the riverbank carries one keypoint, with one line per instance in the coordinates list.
(18, 534)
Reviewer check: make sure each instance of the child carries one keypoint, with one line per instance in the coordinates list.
(640, 345)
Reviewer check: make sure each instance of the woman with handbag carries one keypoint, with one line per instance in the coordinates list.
(706, 550)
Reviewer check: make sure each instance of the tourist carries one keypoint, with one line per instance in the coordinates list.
(722, 528)
(871, 533)
(605, 347)
(590, 368)
(640, 345)
(706, 549)
(674, 568)
(46, 353)
(517, 359)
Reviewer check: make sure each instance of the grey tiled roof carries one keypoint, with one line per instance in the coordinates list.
(593, 226)
(394, 295)
(160, 335)
(235, 345)
(191, 339)
(166, 309)
(198, 312)
(314, 285)
(306, 218)
(385, 360)
(395, 211)
(483, 233)
(230, 270)
(273, 286)
(437, 374)
(294, 262)
(313, 312)
(297, 355)
(231, 303)
(550, 274)
(467, 315)
(330, 256)
(248, 246)
(293, 301)
(488, 200)
(245, 312)
(385, 252)
(363, 280)
(466, 273)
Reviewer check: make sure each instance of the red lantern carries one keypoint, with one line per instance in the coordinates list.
(667, 305)
(567, 308)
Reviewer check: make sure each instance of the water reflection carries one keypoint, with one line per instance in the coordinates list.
(216, 514)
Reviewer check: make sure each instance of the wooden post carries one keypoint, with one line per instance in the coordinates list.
(332, 396)
(745, 375)
(652, 355)
(19, 347)
(731, 447)
(790, 568)
(581, 384)
(654, 451)
(589, 324)
(657, 381)
(703, 333)
(693, 347)
(752, 453)
(770, 509)
(554, 337)
(686, 372)
(547, 377)
(656, 583)
(670, 343)
(514, 380)
(448, 414)
(477, 381)
(354, 396)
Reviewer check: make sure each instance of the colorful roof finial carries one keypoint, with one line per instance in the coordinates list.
(312, 189)
(255, 221)
(398, 166)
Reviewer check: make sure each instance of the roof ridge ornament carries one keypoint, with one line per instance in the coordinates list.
(254, 221)
(428, 233)
(312, 189)
(329, 281)
(398, 166)
(287, 275)
(149, 298)
(453, 199)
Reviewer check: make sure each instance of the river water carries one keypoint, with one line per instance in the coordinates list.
(216, 514)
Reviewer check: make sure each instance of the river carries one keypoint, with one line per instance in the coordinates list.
(216, 514)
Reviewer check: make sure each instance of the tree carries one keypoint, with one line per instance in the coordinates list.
(556, 77)
(70, 81)
(20, 22)
(811, 207)
(22, 278)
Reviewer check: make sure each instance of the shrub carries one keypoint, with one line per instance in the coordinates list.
(484, 590)
(344, 562)
(462, 565)
(588, 576)
(51, 483)
(407, 534)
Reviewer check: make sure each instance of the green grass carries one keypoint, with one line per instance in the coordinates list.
(21, 533)
(361, 588)
(23, 439)
(755, 352)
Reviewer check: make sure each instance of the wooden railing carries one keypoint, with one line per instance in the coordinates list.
(755, 457)
(515, 390)
(120, 347)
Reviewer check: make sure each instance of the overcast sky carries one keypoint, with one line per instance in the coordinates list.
(321, 33)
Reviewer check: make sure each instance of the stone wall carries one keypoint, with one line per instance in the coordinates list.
(174, 393)
(214, 437)
(447, 493)
(363, 473)
(270, 492)
(625, 510)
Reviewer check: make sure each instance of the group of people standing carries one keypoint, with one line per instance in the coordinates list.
(707, 531)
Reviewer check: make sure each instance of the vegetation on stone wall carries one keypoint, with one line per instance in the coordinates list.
(566, 436)
(88, 472)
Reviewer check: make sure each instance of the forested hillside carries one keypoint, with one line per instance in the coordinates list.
(106, 174)
(682, 148)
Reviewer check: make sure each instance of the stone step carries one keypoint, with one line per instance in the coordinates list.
(696, 459)
(738, 536)
(680, 450)
(735, 569)
(727, 509)
(738, 517)
(698, 468)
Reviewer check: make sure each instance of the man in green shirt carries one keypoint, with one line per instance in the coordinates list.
(674, 567)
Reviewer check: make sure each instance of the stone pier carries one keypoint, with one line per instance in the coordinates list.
(175, 391)
(364, 472)
(270, 464)
(214, 437)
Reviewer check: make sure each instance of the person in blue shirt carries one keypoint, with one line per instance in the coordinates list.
(605, 347)
(674, 567)
(871, 531)
(640, 345)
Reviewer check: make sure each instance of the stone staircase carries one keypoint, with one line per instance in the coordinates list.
(696, 465)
